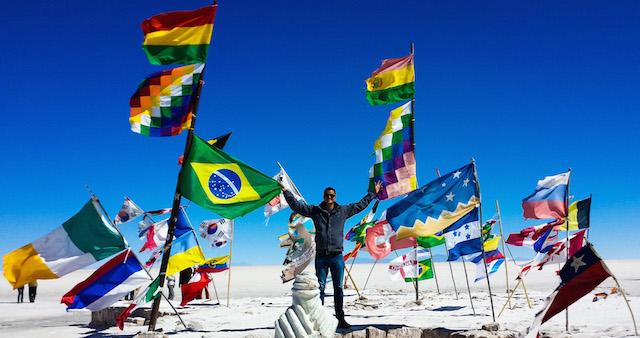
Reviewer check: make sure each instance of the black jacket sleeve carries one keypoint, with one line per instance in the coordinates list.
(355, 208)
(298, 206)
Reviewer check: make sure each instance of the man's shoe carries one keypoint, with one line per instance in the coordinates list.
(342, 324)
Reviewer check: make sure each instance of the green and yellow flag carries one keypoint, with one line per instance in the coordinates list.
(216, 181)
(392, 82)
(430, 241)
(579, 215)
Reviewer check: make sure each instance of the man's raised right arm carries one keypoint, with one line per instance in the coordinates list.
(298, 206)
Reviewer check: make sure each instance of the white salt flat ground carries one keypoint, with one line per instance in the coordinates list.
(258, 298)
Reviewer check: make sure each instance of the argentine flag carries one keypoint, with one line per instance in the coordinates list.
(463, 237)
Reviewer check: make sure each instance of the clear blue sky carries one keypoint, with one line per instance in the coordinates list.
(526, 89)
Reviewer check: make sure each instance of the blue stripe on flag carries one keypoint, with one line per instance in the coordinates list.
(105, 283)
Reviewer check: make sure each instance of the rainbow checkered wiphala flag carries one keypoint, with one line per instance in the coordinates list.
(395, 162)
(163, 103)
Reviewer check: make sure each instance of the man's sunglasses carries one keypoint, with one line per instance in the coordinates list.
(330, 195)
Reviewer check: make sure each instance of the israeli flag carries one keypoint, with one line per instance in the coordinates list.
(463, 237)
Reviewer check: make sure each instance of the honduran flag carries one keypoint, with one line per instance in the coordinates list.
(463, 237)
(548, 200)
(107, 285)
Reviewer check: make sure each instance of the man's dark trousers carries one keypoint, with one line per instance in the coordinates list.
(335, 264)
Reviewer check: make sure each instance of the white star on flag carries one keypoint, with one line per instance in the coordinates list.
(576, 263)
(465, 182)
(457, 174)
(450, 196)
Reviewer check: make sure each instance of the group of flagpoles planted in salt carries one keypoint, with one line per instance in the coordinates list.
(306, 317)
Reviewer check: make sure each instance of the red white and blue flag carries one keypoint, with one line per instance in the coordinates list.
(549, 198)
(108, 284)
(494, 260)
(581, 274)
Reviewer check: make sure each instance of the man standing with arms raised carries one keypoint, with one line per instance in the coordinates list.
(328, 219)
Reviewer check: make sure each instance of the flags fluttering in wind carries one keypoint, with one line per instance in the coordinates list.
(164, 102)
(395, 162)
(82, 240)
(435, 206)
(223, 184)
(548, 200)
(463, 237)
(108, 284)
(150, 293)
(179, 37)
(582, 273)
(392, 82)
(218, 232)
(413, 266)
(128, 211)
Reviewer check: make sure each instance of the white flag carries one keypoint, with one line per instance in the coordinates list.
(278, 203)
(128, 211)
(218, 232)
(406, 266)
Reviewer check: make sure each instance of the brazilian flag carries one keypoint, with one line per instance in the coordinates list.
(216, 181)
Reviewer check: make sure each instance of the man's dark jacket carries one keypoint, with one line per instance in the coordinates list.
(329, 223)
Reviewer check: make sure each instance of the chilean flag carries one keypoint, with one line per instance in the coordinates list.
(549, 199)
(108, 284)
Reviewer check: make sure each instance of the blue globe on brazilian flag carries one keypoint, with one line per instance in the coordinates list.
(216, 181)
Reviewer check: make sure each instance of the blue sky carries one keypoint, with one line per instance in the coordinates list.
(527, 89)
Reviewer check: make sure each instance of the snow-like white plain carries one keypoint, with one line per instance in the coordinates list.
(258, 298)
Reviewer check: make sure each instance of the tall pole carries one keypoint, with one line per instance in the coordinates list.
(455, 288)
(369, 275)
(415, 247)
(566, 208)
(484, 256)
(95, 199)
(233, 239)
(466, 277)
(433, 267)
(174, 211)
(506, 266)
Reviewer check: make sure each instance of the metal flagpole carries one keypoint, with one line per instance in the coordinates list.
(566, 207)
(96, 200)
(233, 239)
(484, 256)
(215, 289)
(466, 277)
(506, 268)
(174, 211)
(415, 247)
(455, 288)
(433, 267)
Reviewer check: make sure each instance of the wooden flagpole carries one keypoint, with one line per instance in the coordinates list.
(506, 268)
(233, 239)
(353, 260)
(480, 220)
(369, 275)
(566, 207)
(174, 210)
(95, 199)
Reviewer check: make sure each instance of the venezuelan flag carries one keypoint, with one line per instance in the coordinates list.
(392, 82)
(180, 37)
(185, 253)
